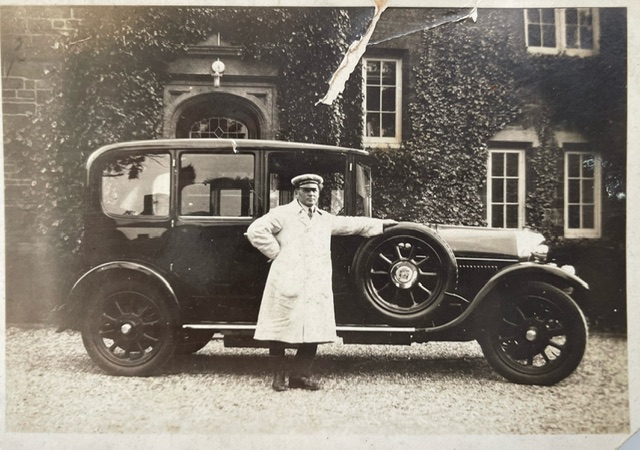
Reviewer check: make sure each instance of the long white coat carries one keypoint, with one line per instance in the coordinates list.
(297, 304)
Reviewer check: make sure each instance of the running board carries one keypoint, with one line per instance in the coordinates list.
(222, 326)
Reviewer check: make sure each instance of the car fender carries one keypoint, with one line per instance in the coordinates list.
(548, 273)
(69, 312)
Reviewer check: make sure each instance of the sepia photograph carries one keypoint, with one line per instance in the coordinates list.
(319, 224)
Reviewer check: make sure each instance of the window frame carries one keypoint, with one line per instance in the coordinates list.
(521, 185)
(561, 34)
(374, 141)
(587, 233)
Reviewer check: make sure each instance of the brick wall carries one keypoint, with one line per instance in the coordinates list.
(30, 39)
(30, 42)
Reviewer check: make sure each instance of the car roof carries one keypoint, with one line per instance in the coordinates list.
(236, 144)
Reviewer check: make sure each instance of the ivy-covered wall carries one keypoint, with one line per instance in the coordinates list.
(105, 70)
(106, 85)
(474, 79)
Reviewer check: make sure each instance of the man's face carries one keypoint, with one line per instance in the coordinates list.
(308, 195)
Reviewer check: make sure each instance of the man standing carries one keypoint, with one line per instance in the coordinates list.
(297, 304)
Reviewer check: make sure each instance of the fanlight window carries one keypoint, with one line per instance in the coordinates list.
(219, 127)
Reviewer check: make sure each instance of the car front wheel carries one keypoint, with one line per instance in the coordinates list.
(537, 335)
(128, 329)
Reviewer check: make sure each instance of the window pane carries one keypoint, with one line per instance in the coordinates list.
(533, 15)
(587, 217)
(497, 190)
(587, 166)
(388, 99)
(572, 36)
(571, 16)
(388, 125)
(586, 18)
(573, 163)
(574, 216)
(512, 190)
(137, 185)
(512, 216)
(389, 73)
(549, 36)
(217, 128)
(548, 16)
(363, 191)
(587, 191)
(586, 38)
(497, 216)
(535, 39)
(574, 191)
(373, 98)
(512, 164)
(373, 125)
(497, 164)
(373, 72)
(216, 185)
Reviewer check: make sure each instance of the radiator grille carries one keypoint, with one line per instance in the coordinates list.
(472, 276)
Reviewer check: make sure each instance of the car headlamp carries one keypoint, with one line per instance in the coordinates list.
(530, 246)
(539, 253)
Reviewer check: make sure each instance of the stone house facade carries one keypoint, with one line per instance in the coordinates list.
(215, 92)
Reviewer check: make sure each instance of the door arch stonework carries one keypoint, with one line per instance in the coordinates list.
(245, 91)
(190, 107)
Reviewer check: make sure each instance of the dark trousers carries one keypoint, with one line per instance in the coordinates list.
(302, 362)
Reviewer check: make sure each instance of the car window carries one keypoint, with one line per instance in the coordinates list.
(216, 185)
(363, 190)
(284, 166)
(137, 185)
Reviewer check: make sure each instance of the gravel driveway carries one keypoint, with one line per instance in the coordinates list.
(429, 389)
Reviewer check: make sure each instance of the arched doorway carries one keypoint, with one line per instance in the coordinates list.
(219, 116)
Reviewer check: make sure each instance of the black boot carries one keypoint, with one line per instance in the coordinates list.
(277, 364)
(301, 374)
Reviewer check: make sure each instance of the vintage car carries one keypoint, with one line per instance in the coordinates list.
(168, 264)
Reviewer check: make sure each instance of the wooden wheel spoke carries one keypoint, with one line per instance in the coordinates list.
(399, 252)
(426, 258)
(385, 259)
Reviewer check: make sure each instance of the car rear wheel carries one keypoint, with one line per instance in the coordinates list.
(537, 335)
(403, 274)
(128, 329)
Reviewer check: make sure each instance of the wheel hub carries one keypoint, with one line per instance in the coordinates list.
(404, 274)
(131, 329)
(531, 334)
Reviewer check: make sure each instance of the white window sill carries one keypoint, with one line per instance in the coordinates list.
(582, 234)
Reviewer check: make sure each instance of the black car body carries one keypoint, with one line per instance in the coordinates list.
(168, 264)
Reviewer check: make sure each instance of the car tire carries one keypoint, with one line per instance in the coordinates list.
(402, 275)
(192, 340)
(536, 335)
(128, 328)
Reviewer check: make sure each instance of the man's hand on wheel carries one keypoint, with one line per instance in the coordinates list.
(388, 223)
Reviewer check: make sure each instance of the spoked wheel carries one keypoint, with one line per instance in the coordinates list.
(192, 340)
(537, 336)
(129, 329)
(403, 274)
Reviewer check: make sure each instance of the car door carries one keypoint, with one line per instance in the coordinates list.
(215, 204)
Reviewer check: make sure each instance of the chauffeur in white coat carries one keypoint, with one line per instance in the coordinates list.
(297, 304)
